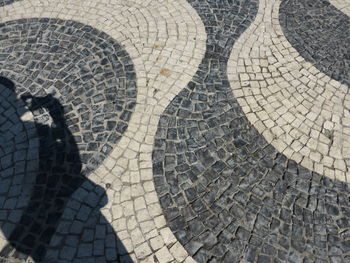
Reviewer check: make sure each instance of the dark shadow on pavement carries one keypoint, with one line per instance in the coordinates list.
(59, 175)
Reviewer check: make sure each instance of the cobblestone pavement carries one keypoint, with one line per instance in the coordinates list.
(288, 95)
(344, 6)
(174, 131)
(7, 2)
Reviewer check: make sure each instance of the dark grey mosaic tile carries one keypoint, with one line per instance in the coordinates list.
(90, 74)
(84, 234)
(7, 2)
(320, 33)
(19, 157)
(227, 194)
(80, 86)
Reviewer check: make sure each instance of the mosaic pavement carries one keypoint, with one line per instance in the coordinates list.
(174, 131)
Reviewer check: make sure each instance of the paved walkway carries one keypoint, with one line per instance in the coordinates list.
(174, 131)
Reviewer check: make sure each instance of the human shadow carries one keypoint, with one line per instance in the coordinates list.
(59, 175)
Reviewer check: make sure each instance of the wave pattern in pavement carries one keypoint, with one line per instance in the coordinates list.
(320, 33)
(227, 194)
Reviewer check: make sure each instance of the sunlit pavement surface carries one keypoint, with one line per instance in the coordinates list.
(174, 131)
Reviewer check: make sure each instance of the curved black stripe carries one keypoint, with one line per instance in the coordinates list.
(7, 2)
(85, 69)
(320, 33)
(226, 193)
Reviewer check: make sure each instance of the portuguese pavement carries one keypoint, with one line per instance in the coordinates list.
(174, 131)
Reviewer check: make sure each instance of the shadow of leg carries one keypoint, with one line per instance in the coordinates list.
(84, 234)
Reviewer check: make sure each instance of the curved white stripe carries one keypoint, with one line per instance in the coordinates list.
(298, 109)
(342, 5)
(166, 41)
